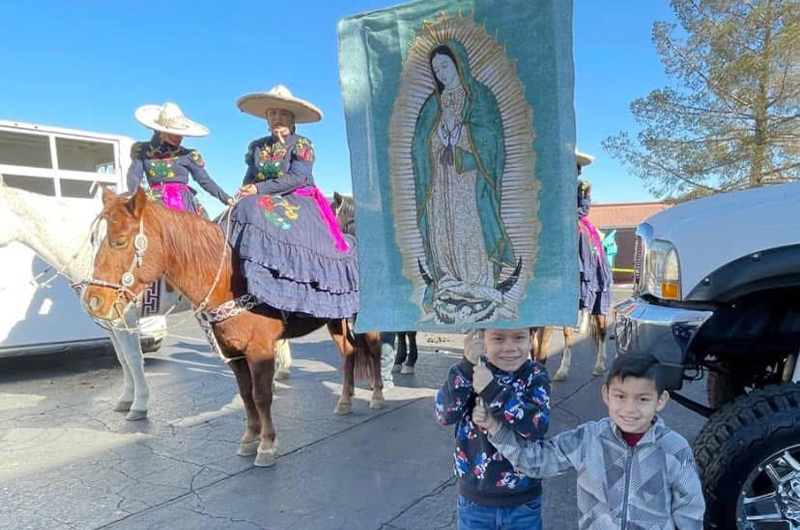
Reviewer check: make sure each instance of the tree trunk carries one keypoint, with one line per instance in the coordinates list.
(760, 110)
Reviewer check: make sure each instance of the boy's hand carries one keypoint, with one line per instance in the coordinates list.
(482, 418)
(473, 345)
(481, 376)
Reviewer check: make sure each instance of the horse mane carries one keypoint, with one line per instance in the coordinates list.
(27, 202)
(189, 241)
(55, 228)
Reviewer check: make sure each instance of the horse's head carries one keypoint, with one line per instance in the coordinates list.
(9, 222)
(126, 259)
(344, 209)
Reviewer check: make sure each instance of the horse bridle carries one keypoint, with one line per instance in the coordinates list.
(123, 291)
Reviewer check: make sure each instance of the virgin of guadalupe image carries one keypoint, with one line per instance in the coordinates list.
(458, 157)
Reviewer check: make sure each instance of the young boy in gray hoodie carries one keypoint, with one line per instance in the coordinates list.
(634, 472)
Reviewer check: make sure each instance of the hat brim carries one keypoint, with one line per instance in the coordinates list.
(583, 159)
(258, 103)
(148, 114)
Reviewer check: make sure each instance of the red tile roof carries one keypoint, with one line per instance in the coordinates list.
(623, 215)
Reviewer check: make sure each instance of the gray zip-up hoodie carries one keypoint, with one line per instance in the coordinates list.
(651, 485)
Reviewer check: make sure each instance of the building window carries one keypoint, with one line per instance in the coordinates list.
(85, 155)
(24, 149)
(41, 185)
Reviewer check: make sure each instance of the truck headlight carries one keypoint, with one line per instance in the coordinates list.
(663, 271)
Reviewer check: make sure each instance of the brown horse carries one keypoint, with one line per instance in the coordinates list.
(145, 241)
(540, 347)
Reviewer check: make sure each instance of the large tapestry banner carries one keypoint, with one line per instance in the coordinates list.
(460, 125)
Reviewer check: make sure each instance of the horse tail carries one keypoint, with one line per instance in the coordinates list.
(594, 330)
(366, 348)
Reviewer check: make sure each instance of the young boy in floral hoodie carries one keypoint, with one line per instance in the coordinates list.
(515, 390)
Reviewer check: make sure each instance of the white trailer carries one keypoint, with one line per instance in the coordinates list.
(68, 164)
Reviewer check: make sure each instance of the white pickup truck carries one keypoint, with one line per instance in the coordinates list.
(717, 294)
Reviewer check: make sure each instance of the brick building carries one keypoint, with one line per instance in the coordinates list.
(624, 218)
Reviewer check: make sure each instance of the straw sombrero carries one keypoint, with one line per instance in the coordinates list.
(169, 118)
(583, 159)
(279, 97)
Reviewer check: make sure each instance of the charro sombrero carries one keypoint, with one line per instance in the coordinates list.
(583, 159)
(169, 118)
(279, 97)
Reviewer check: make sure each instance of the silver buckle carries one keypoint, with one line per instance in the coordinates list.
(128, 279)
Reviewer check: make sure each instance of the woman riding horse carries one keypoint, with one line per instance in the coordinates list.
(293, 253)
(166, 165)
(595, 284)
(595, 275)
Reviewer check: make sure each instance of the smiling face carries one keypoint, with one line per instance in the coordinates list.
(280, 121)
(633, 402)
(445, 70)
(507, 349)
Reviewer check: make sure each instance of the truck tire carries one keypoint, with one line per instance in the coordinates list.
(721, 389)
(750, 449)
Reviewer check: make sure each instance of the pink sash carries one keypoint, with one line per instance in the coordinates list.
(589, 227)
(327, 215)
(171, 194)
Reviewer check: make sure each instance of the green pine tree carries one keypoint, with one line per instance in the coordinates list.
(731, 120)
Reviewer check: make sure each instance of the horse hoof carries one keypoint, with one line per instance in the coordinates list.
(280, 375)
(265, 458)
(343, 409)
(377, 403)
(247, 448)
(598, 370)
(560, 376)
(123, 406)
(136, 415)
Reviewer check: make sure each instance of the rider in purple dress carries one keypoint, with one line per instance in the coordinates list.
(167, 165)
(595, 274)
(292, 252)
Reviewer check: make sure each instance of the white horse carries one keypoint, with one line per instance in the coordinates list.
(58, 230)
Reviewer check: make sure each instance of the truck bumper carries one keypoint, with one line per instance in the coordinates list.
(663, 332)
(153, 327)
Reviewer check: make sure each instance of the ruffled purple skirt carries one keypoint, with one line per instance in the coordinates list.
(291, 258)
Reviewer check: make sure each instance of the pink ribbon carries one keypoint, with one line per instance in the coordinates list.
(327, 215)
(171, 194)
(584, 221)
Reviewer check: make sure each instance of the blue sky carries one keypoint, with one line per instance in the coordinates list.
(87, 64)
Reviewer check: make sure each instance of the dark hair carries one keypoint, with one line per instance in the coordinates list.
(640, 365)
(441, 50)
(484, 330)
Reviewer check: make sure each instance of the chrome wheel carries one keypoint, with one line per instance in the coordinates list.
(770, 496)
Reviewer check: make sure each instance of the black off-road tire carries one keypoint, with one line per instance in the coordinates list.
(738, 438)
(721, 389)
